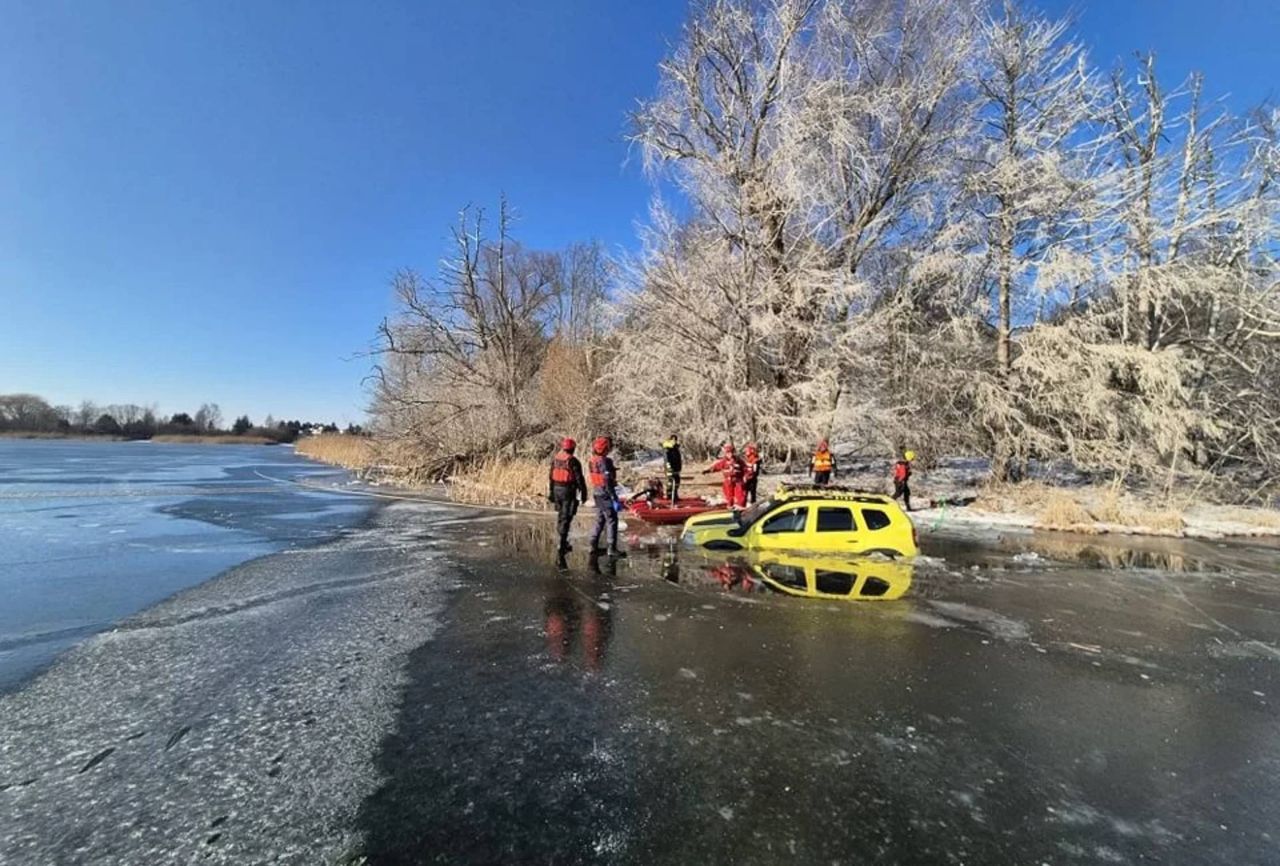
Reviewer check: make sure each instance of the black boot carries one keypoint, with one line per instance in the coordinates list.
(616, 552)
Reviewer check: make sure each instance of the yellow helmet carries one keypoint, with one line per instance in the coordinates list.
(910, 455)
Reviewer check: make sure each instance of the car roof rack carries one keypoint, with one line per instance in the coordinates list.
(830, 491)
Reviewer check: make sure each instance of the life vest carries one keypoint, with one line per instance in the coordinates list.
(562, 468)
(822, 461)
(599, 471)
(901, 470)
(732, 467)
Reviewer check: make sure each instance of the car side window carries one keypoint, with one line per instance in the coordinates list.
(791, 520)
(874, 518)
(787, 575)
(835, 582)
(835, 520)
(874, 587)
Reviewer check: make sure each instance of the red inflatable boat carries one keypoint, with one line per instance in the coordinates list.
(661, 512)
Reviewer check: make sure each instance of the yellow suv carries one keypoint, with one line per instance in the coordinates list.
(812, 519)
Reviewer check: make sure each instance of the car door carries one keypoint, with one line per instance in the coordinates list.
(835, 528)
(785, 528)
(882, 534)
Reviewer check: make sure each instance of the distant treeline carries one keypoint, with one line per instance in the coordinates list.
(29, 413)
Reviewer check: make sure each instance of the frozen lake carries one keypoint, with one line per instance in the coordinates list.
(91, 532)
(430, 686)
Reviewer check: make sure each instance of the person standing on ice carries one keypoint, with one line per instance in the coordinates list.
(604, 490)
(823, 464)
(751, 476)
(673, 462)
(565, 488)
(732, 470)
(902, 475)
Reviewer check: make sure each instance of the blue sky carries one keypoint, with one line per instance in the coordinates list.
(205, 201)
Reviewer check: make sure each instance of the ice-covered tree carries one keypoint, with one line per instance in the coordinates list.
(807, 136)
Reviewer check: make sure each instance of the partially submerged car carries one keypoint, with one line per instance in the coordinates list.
(811, 519)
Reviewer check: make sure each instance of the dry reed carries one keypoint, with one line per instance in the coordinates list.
(350, 452)
(1080, 509)
(502, 481)
(1007, 498)
(1118, 509)
(1061, 511)
(1263, 518)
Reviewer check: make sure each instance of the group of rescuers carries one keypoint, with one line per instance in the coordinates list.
(567, 484)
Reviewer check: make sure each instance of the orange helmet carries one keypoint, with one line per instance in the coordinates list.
(568, 444)
(752, 451)
(603, 445)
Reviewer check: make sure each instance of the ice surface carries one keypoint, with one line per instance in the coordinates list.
(91, 532)
(236, 722)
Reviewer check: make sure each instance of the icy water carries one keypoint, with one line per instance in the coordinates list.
(91, 532)
(431, 687)
(1020, 699)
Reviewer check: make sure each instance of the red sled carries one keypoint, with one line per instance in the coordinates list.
(660, 512)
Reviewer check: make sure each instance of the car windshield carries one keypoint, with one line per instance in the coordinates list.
(755, 512)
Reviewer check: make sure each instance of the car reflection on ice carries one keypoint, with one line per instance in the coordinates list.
(835, 579)
(826, 578)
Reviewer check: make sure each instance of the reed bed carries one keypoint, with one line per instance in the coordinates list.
(357, 453)
(515, 483)
(1080, 509)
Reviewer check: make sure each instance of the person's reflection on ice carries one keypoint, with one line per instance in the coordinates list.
(732, 575)
(671, 567)
(561, 611)
(597, 613)
(574, 616)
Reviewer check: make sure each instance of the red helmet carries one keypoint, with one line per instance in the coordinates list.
(568, 444)
(752, 450)
(603, 445)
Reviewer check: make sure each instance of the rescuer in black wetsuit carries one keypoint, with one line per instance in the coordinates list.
(673, 462)
(566, 487)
